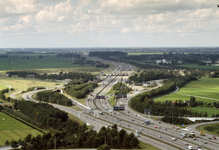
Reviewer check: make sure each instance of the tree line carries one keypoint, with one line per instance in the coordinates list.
(2, 93)
(85, 77)
(215, 74)
(53, 97)
(148, 75)
(47, 115)
(33, 88)
(90, 139)
(79, 91)
(121, 88)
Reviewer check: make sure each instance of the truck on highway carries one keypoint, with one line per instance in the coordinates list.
(202, 133)
(192, 135)
(121, 103)
(147, 122)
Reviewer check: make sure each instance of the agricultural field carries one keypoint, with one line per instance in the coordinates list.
(36, 63)
(2, 87)
(209, 110)
(198, 67)
(11, 129)
(144, 53)
(205, 89)
(23, 84)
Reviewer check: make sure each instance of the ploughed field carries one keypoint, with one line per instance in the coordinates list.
(12, 129)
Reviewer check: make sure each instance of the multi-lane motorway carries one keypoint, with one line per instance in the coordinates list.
(130, 119)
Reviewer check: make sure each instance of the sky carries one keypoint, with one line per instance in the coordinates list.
(109, 23)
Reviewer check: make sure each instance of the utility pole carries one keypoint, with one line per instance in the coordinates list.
(172, 128)
(55, 143)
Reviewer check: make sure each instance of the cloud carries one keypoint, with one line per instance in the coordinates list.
(109, 17)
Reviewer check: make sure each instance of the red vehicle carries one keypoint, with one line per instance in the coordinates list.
(155, 127)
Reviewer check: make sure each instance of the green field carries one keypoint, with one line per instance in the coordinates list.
(212, 128)
(144, 53)
(209, 110)
(23, 84)
(198, 67)
(3, 87)
(205, 89)
(36, 63)
(11, 129)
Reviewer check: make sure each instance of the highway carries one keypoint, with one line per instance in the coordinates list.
(130, 119)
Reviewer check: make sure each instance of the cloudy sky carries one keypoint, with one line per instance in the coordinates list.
(108, 23)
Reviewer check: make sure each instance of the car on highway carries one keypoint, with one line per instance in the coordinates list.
(159, 136)
(174, 138)
(205, 142)
(190, 147)
(155, 127)
(199, 148)
(165, 128)
(186, 144)
(194, 138)
(128, 125)
(138, 135)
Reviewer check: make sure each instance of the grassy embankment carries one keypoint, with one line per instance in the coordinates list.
(23, 84)
(212, 128)
(205, 89)
(11, 129)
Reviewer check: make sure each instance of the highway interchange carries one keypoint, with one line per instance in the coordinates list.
(130, 119)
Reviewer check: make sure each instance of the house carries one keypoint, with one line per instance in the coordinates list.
(187, 102)
(163, 61)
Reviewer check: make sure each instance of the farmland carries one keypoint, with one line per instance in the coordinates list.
(191, 66)
(23, 84)
(144, 53)
(11, 129)
(36, 63)
(205, 89)
(210, 110)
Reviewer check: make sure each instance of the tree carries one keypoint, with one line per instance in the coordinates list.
(134, 142)
(14, 144)
(192, 101)
(104, 147)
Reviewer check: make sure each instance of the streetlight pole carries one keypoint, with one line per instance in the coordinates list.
(55, 143)
(172, 128)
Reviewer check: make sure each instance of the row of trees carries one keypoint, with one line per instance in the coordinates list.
(47, 115)
(165, 109)
(33, 88)
(61, 76)
(53, 97)
(121, 88)
(148, 75)
(80, 91)
(215, 75)
(2, 92)
(91, 139)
